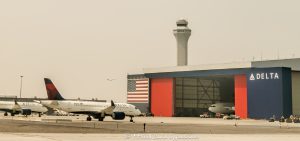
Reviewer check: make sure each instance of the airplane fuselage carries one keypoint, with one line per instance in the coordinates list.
(98, 110)
(73, 106)
(223, 108)
(11, 106)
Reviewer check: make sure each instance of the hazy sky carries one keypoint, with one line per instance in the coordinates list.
(80, 44)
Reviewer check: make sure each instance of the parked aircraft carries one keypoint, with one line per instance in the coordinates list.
(97, 110)
(222, 108)
(24, 108)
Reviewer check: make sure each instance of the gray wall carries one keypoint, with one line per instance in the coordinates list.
(296, 92)
(294, 64)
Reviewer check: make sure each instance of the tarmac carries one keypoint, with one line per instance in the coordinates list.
(144, 137)
(65, 128)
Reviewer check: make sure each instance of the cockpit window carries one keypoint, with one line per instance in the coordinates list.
(213, 106)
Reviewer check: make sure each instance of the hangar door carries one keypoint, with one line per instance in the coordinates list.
(193, 96)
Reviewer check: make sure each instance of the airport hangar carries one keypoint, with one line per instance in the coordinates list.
(259, 89)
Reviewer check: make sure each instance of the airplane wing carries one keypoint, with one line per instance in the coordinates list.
(37, 101)
(106, 111)
(109, 110)
(16, 107)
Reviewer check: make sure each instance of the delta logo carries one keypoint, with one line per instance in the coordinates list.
(264, 76)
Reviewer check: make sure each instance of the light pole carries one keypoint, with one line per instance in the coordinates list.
(21, 86)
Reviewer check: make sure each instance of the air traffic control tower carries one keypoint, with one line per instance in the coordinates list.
(182, 34)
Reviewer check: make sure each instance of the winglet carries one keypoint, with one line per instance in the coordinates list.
(112, 103)
(52, 92)
(16, 107)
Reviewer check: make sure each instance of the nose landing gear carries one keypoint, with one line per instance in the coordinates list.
(131, 118)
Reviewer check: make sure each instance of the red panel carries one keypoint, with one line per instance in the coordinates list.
(162, 96)
(240, 88)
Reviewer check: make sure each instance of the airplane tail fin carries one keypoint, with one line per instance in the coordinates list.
(52, 92)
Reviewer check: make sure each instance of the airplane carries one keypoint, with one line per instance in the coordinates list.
(24, 108)
(222, 108)
(97, 110)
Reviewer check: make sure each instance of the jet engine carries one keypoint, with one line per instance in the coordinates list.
(118, 115)
(26, 111)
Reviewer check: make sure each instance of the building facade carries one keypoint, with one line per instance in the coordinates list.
(258, 91)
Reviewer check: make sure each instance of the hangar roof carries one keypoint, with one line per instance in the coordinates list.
(198, 67)
(294, 64)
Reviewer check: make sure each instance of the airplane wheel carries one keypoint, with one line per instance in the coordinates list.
(131, 119)
(5, 114)
(12, 114)
(88, 118)
(40, 114)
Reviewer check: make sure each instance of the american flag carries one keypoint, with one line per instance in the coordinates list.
(138, 90)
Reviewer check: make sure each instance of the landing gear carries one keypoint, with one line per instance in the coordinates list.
(40, 114)
(131, 118)
(5, 114)
(12, 114)
(88, 118)
(101, 118)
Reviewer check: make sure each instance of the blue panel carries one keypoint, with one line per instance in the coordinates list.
(198, 73)
(269, 92)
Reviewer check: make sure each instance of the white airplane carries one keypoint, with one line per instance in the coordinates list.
(97, 110)
(222, 108)
(24, 108)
